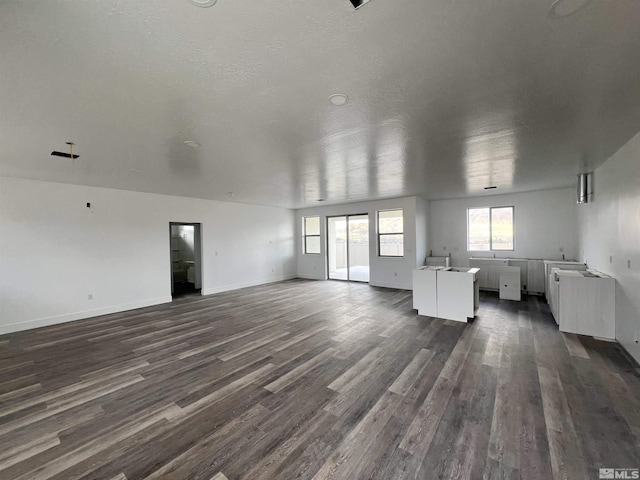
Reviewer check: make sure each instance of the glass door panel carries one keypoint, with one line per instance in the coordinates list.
(337, 248)
(358, 251)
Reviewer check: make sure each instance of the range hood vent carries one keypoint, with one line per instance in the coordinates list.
(584, 188)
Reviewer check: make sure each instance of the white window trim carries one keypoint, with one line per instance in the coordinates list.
(491, 249)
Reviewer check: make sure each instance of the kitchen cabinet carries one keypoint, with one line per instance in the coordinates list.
(493, 269)
(489, 275)
(535, 277)
(562, 265)
(510, 284)
(449, 293)
(585, 302)
(437, 261)
(424, 291)
(458, 294)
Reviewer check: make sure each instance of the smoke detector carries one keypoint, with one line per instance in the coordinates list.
(203, 3)
(564, 8)
(338, 99)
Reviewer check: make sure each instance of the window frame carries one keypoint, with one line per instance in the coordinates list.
(305, 235)
(378, 234)
(513, 228)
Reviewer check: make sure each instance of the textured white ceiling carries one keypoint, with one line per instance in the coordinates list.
(446, 97)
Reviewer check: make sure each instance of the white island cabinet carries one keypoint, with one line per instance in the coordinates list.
(458, 293)
(424, 291)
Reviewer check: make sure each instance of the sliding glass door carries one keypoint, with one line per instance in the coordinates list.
(348, 247)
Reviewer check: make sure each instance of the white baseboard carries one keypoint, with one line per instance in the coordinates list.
(71, 317)
(312, 277)
(399, 286)
(630, 351)
(253, 283)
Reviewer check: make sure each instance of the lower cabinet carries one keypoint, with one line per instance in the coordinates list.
(449, 293)
(585, 303)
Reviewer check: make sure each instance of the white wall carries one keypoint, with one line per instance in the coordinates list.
(610, 227)
(545, 222)
(54, 251)
(384, 271)
(422, 230)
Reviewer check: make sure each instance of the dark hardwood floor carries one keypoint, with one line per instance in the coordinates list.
(319, 380)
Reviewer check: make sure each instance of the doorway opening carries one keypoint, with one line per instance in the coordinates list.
(186, 259)
(348, 247)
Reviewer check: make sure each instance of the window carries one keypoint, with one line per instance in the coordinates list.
(390, 233)
(311, 235)
(490, 229)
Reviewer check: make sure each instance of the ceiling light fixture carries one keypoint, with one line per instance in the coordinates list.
(192, 144)
(564, 8)
(358, 3)
(203, 3)
(338, 99)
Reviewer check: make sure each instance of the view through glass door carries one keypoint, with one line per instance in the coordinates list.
(348, 247)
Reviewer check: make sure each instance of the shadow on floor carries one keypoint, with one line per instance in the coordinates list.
(183, 289)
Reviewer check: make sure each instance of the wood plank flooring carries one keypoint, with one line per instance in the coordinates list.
(315, 380)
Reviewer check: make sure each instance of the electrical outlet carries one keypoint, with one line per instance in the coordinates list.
(88, 205)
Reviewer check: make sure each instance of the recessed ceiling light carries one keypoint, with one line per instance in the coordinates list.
(192, 144)
(203, 3)
(338, 99)
(564, 8)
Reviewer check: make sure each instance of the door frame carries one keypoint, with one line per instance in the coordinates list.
(197, 253)
(346, 216)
